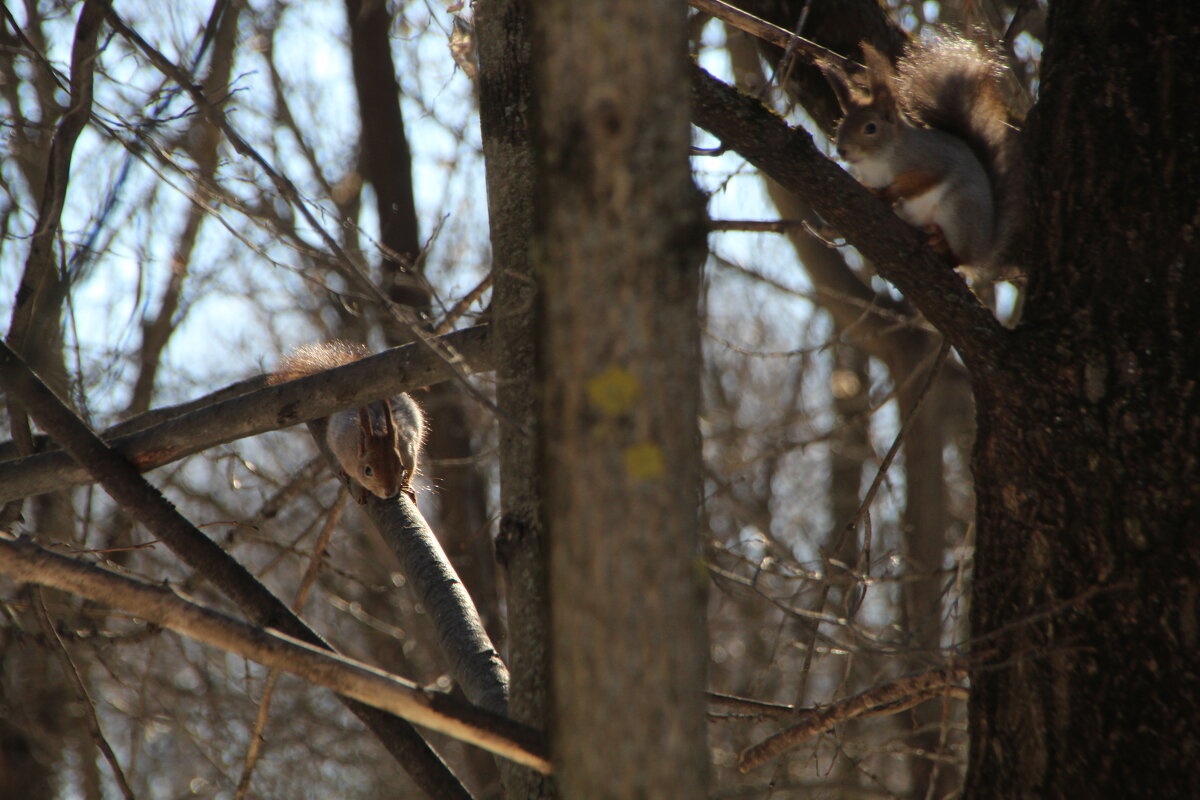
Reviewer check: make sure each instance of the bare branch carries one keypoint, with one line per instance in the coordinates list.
(748, 705)
(766, 31)
(400, 369)
(254, 750)
(890, 698)
(474, 662)
(868, 498)
(897, 249)
(25, 561)
(84, 696)
(757, 226)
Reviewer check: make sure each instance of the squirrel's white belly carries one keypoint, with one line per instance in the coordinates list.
(873, 172)
(923, 209)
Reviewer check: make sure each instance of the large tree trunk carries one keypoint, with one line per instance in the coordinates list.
(618, 242)
(1086, 469)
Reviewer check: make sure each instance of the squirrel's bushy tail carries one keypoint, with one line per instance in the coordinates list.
(310, 359)
(953, 84)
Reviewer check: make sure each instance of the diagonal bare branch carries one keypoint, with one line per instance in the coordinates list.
(162, 605)
(897, 250)
(767, 31)
(401, 369)
(91, 720)
(890, 698)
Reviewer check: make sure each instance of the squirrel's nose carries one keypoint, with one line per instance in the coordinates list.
(841, 151)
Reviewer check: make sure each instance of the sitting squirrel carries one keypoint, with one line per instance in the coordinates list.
(931, 137)
(376, 444)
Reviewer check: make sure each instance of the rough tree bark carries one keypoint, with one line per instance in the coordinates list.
(504, 109)
(618, 242)
(1088, 563)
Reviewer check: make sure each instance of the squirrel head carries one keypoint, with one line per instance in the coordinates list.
(381, 466)
(871, 115)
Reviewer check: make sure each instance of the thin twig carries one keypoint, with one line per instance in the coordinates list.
(783, 70)
(85, 697)
(254, 749)
(462, 305)
(748, 705)
(757, 226)
(943, 738)
(890, 698)
(767, 32)
(851, 527)
(943, 351)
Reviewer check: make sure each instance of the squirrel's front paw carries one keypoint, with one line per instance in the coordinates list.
(937, 241)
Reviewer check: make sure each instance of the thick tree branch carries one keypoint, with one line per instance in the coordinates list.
(25, 561)
(400, 369)
(474, 662)
(866, 316)
(897, 250)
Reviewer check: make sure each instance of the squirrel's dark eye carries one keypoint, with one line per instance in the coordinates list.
(869, 128)
(368, 472)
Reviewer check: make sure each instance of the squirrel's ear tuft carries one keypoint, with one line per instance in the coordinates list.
(839, 82)
(880, 75)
